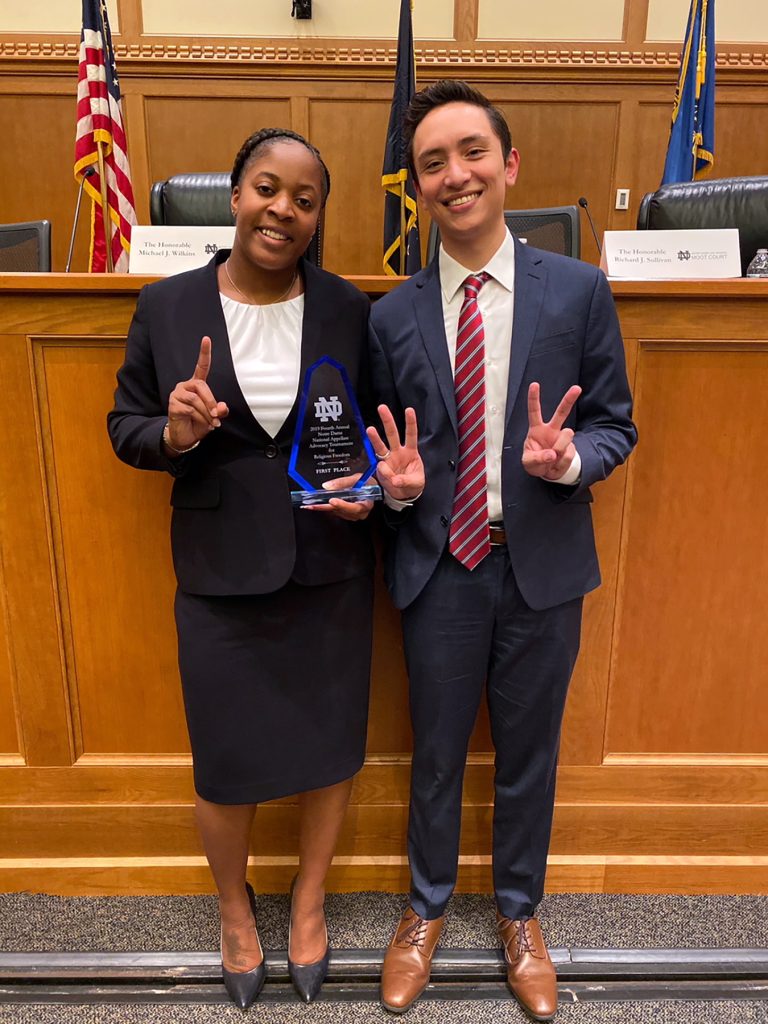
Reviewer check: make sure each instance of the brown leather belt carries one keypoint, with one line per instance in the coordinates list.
(498, 534)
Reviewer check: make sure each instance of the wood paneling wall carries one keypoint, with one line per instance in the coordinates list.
(664, 759)
(588, 118)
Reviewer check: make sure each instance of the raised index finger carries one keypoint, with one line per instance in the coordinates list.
(203, 360)
(534, 406)
(411, 429)
(563, 410)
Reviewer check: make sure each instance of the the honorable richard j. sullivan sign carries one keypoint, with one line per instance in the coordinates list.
(169, 250)
(659, 255)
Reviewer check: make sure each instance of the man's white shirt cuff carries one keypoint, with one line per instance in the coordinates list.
(571, 475)
(398, 506)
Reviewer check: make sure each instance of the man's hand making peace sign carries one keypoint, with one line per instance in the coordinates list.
(549, 449)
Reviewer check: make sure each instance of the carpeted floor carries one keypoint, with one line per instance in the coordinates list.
(34, 923)
(496, 1012)
(31, 922)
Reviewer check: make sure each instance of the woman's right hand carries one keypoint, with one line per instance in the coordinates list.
(193, 412)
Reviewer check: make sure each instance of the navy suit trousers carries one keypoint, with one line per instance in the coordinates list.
(466, 632)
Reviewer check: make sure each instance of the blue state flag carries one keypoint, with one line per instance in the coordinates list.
(402, 249)
(691, 150)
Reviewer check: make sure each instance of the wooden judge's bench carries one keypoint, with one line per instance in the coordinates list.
(664, 778)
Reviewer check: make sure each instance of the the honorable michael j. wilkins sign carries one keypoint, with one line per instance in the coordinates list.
(169, 250)
(659, 255)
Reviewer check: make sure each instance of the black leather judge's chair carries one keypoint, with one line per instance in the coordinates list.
(204, 199)
(556, 229)
(712, 203)
(26, 247)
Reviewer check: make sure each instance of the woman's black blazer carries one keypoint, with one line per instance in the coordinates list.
(233, 530)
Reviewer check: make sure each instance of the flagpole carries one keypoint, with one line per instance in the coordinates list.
(403, 186)
(105, 218)
(402, 229)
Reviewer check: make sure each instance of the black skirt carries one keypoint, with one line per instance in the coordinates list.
(276, 688)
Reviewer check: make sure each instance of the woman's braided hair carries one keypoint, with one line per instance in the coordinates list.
(268, 137)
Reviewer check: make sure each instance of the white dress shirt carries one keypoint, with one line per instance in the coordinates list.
(496, 301)
(265, 342)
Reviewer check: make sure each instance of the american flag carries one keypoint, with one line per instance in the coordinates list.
(100, 120)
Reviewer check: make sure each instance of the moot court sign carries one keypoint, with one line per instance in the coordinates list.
(170, 250)
(665, 255)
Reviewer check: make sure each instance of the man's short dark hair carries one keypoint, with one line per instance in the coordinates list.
(451, 90)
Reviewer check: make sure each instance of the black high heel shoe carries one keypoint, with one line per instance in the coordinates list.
(243, 986)
(307, 978)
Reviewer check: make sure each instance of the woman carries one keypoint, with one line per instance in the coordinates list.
(273, 607)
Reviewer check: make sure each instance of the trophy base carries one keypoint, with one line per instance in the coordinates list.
(370, 492)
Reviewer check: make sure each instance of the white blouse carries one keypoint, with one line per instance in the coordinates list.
(265, 342)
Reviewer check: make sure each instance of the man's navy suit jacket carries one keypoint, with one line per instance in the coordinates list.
(565, 332)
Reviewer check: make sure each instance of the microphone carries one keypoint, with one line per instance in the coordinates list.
(585, 207)
(87, 173)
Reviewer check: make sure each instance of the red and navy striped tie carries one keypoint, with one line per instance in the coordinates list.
(469, 539)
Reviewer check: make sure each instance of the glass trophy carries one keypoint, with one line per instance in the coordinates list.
(330, 439)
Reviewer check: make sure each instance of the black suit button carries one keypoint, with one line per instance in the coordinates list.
(271, 451)
(451, 464)
(444, 520)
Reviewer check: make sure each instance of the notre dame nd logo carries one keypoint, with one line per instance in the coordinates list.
(328, 409)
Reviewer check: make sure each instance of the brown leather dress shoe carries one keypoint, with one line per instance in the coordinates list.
(530, 973)
(407, 962)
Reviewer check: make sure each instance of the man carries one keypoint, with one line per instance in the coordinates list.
(491, 563)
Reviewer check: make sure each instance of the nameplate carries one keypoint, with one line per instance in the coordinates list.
(665, 255)
(170, 250)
